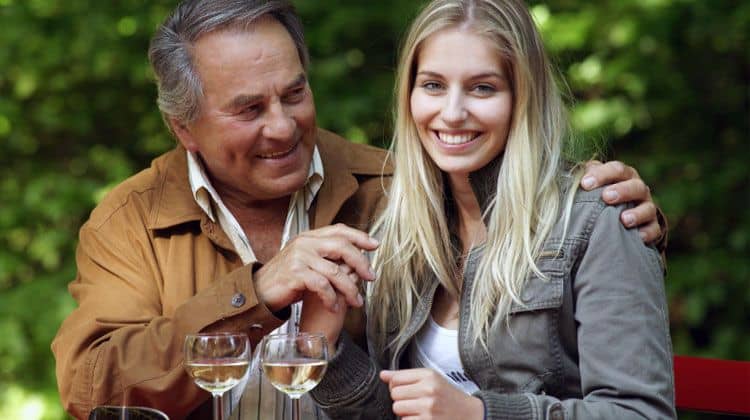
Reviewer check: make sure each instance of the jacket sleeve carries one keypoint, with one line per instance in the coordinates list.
(351, 388)
(119, 348)
(625, 354)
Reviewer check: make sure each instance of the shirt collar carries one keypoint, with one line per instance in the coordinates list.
(204, 192)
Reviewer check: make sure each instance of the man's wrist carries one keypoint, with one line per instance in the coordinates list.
(267, 292)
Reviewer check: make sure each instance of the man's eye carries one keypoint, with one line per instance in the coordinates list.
(250, 111)
(295, 95)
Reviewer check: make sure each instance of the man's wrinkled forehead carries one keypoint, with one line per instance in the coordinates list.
(260, 28)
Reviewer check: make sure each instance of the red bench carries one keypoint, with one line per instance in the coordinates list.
(712, 385)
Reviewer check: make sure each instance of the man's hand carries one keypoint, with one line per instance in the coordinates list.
(426, 394)
(625, 185)
(313, 262)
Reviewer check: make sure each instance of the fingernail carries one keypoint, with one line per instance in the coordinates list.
(629, 220)
(642, 235)
(372, 274)
(360, 300)
(374, 241)
(588, 182)
(336, 307)
(610, 195)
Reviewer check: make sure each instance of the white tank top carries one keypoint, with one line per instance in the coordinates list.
(436, 348)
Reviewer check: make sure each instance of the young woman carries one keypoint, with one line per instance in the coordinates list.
(503, 291)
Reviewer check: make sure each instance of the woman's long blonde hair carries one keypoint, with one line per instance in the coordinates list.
(414, 229)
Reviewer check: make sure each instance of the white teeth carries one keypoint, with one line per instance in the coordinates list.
(456, 138)
(278, 154)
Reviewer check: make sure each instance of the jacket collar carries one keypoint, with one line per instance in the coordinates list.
(174, 204)
(342, 162)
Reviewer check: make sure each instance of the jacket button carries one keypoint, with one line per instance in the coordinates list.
(238, 300)
(556, 412)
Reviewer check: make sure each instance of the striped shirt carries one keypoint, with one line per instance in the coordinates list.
(255, 398)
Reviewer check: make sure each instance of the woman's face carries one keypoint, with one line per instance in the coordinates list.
(461, 102)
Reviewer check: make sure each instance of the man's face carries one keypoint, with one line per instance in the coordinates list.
(256, 129)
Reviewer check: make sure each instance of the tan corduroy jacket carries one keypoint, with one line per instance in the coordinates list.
(152, 267)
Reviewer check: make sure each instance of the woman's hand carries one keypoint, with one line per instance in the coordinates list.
(426, 394)
(317, 317)
(624, 184)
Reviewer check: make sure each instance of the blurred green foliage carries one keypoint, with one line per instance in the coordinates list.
(666, 82)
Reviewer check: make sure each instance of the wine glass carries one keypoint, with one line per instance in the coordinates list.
(294, 363)
(217, 362)
(114, 412)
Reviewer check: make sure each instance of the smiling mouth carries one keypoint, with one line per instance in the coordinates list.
(280, 154)
(456, 139)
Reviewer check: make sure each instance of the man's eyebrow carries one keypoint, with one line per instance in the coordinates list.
(242, 100)
(300, 80)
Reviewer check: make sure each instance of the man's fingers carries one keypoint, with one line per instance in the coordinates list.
(345, 269)
(642, 214)
(358, 238)
(340, 280)
(607, 173)
(650, 232)
(337, 248)
(592, 163)
(318, 284)
(624, 191)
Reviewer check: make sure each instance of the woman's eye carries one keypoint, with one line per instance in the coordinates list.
(484, 89)
(430, 86)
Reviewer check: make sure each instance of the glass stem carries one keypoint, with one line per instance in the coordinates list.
(218, 407)
(295, 408)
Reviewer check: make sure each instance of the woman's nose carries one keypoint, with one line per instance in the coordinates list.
(454, 109)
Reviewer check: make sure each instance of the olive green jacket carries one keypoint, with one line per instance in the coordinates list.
(591, 340)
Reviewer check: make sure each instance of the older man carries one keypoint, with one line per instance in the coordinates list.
(253, 208)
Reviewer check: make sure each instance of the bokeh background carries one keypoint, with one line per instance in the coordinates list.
(666, 83)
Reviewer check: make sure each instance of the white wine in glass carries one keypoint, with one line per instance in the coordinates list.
(217, 362)
(294, 363)
(295, 377)
(217, 376)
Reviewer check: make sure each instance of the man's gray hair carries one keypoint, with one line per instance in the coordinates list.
(179, 86)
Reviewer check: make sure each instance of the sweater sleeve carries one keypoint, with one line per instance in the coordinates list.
(351, 388)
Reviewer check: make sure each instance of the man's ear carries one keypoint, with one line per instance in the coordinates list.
(184, 135)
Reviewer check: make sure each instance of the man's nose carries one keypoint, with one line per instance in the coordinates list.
(280, 124)
(454, 108)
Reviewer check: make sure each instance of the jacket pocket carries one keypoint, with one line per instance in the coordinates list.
(546, 291)
(526, 349)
